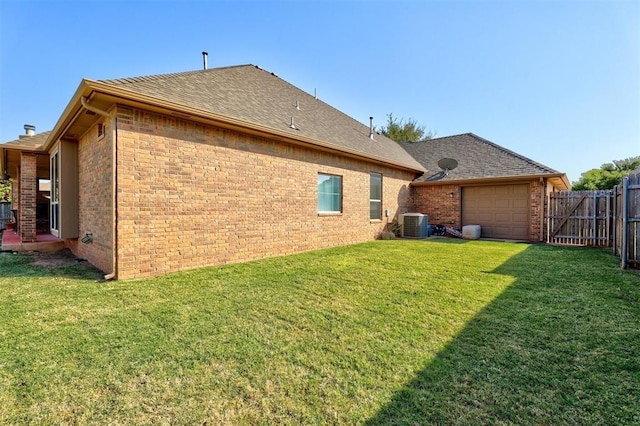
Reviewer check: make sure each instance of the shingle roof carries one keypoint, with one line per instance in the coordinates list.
(34, 142)
(477, 158)
(252, 95)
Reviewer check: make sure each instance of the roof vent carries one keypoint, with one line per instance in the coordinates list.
(298, 105)
(29, 129)
(292, 125)
(205, 56)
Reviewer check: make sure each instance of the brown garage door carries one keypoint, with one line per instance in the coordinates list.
(502, 211)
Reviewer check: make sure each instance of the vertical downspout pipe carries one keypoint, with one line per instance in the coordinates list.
(625, 222)
(114, 240)
(114, 197)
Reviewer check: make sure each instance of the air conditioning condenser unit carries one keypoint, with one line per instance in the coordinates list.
(415, 225)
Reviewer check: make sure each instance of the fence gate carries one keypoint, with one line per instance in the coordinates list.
(626, 238)
(580, 218)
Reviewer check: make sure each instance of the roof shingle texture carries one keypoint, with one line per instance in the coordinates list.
(34, 141)
(255, 96)
(477, 158)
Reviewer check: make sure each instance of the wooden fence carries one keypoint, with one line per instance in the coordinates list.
(5, 213)
(626, 235)
(599, 218)
(580, 218)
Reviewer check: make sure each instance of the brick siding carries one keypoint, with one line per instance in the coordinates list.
(95, 200)
(28, 194)
(437, 202)
(444, 209)
(191, 195)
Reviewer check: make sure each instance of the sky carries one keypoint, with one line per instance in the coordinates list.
(555, 81)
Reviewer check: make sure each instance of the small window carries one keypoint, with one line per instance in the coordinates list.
(375, 196)
(329, 193)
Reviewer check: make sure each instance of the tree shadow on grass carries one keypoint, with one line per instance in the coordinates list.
(559, 346)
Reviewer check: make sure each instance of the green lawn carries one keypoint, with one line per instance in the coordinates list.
(389, 332)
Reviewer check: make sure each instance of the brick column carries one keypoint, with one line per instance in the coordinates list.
(28, 193)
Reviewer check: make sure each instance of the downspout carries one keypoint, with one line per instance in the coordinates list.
(85, 103)
(114, 197)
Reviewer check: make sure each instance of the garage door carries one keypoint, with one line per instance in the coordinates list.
(502, 211)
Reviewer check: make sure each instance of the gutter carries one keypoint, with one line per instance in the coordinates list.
(495, 179)
(114, 240)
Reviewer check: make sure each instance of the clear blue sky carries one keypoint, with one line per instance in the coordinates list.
(556, 81)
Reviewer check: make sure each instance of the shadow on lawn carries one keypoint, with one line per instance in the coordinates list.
(551, 349)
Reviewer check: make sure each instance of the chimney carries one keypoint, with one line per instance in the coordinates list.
(205, 56)
(29, 129)
(371, 128)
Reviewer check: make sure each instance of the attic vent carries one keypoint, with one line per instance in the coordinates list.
(293, 125)
(414, 225)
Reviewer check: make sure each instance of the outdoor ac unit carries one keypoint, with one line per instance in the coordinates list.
(414, 225)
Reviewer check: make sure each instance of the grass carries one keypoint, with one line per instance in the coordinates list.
(388, 332)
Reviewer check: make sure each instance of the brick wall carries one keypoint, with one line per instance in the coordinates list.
(95, 200)
(536, 193)
(28, 194)
(443, 205)
(437, 201)
(190, 195)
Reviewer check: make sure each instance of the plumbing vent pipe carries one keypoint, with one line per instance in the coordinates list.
(205, 56)
(371, 128)
(29, 129)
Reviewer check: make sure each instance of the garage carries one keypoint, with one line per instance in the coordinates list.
(502, 211)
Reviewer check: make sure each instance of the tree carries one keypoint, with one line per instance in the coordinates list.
(5, 190)
(607, 176)
(400, 131)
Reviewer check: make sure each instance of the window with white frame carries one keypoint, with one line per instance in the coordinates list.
(375, 196)
(329, 193)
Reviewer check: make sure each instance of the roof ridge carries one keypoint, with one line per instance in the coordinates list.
(512, 153)
(155, 77)
(441, 137)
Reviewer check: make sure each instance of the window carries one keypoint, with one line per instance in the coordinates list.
(375, 196)
(329, 193)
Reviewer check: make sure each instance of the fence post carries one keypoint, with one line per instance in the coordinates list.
(625, 222)
(614, 226)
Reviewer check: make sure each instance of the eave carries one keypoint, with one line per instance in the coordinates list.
(558, 180)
